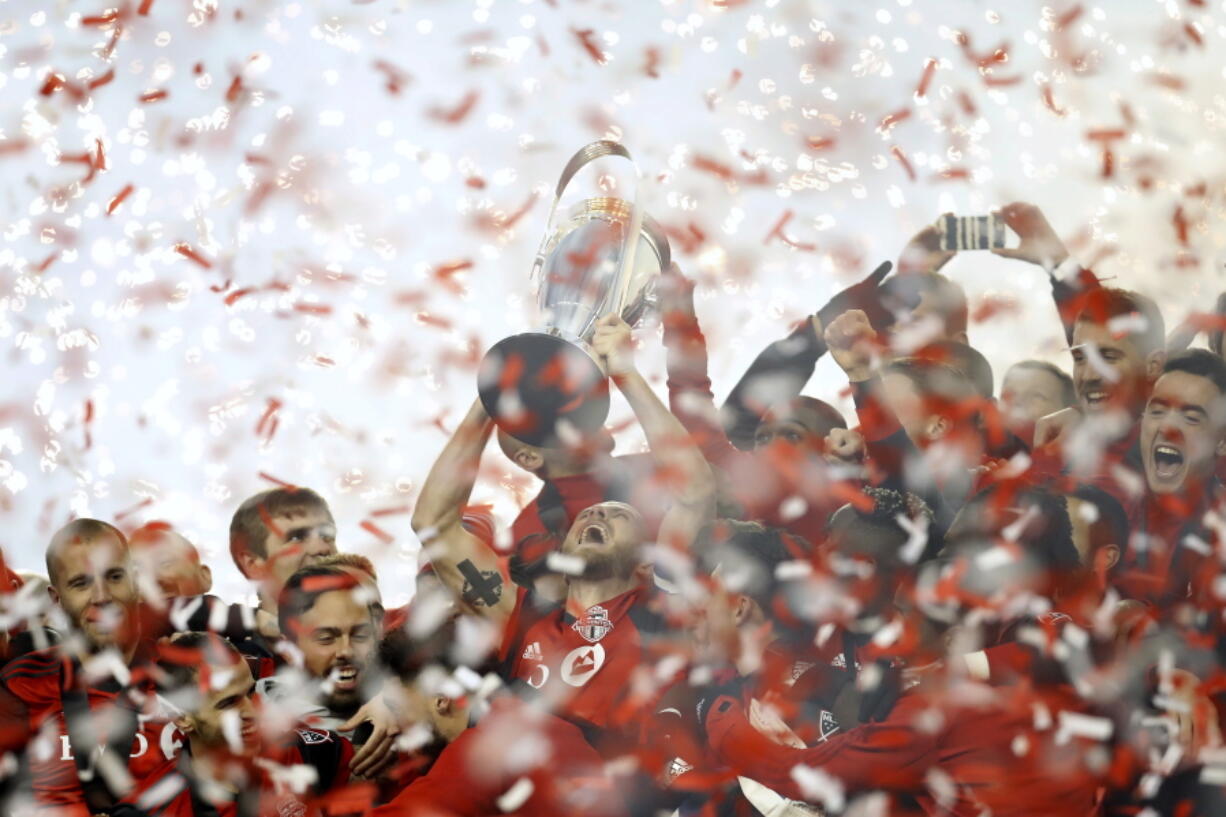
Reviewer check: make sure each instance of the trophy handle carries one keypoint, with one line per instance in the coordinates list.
(584, 156)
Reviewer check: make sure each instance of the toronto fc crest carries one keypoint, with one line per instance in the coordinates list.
(594, 624)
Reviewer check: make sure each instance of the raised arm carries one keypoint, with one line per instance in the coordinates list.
(1042, 247)
(690, 480)
(782, 369)
(462, 562)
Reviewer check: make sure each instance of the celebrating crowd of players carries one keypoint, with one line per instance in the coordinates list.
(958, 602)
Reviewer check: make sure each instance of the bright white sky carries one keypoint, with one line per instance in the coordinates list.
(321, 295)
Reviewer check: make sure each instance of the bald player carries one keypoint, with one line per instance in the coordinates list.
(168, 565)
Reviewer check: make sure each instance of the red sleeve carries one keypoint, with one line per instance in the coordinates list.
(891, 754)
(449, 788)
(690, 398)
(1008, 662)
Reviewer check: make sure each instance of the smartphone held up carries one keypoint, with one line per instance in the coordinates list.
(972, 232)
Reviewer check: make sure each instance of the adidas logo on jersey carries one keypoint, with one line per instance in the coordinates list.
(533, 652)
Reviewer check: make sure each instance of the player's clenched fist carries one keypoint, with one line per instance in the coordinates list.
(852, 342)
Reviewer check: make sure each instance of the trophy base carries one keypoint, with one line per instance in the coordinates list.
(543, 390)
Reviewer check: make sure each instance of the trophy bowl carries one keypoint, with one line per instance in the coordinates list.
(544, 387)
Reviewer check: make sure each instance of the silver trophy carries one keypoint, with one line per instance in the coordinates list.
(602, 255)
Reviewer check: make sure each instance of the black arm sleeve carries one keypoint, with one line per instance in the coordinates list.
(778, 374)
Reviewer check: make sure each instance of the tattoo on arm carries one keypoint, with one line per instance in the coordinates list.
(482, 588)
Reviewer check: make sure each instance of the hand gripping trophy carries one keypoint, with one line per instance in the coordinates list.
(604, 255)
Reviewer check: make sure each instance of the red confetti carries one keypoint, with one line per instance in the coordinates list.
(153, 96)
(714, 168)
(275, 481)
(98, 82)
(1050, 102)
(46, 262)
(819, 143)
(324, 362)
(144, 503)
(777, 232)
(1194, 34)
(89, 418)
(998, 82)
(1068, 18)
(119, 198)
(1181, 225)
(904, 161)
(968, 105)
(238, 293)
(236, 88)
(395, 510)
(930, 69)
(396, 79)
(145, 5)
(445, 275)
(53, 83)
(190, 254)
(1106, 135)
(652, 67)
(9, 146)
(266, 427)
(312, 309)
(587, 38)
(378, 532)
(953, 173)
(459, 113)
(893, 119)
(101, 19)
(426, 319)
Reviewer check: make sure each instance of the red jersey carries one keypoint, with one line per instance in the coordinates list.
(283, 792)
(515, 760)
(1034, 743)
(583, 665)
(36, 683)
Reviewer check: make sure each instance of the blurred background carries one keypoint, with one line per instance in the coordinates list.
(250, 242)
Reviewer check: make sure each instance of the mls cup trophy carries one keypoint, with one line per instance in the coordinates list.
(602, 255)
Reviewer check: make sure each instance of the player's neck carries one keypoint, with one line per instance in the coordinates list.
(583, 593)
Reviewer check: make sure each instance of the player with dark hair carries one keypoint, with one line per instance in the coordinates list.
(231, 764)
(512, 759)
(276, 532)
(168, 565)
(1182, 440)
(796, 441)
(581, 655)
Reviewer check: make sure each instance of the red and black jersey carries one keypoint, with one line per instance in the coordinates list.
(583, 665)
(283, 790)
(36, 684)
(515, 760)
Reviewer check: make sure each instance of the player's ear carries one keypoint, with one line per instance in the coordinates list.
(185, 724)
(1154, 363)
(443, 705)
(207, 576)
(55, 597)
(251, 566)
(936, 427)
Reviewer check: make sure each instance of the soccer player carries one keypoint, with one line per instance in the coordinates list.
(109, 743)
(231, 764)
(579, 655)
(168, 565)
